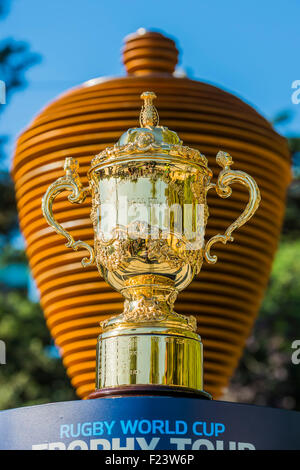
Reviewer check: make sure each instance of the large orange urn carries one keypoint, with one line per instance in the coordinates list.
(224, 297)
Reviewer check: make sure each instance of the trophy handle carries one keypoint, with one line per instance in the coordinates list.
(69, 182)
(226, 177)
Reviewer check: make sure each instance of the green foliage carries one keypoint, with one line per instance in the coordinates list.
(291, 228)
(282, 117)
(294, 144)
(283, 296)
(15, 58)
(8, 210)
(31, 375)
(266, 374)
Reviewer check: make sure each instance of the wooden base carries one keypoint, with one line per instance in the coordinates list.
(160, 390)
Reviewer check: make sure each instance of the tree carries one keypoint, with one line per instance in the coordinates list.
(266, 374)
(32, 373)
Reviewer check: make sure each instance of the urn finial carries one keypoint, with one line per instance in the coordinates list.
(149, 115)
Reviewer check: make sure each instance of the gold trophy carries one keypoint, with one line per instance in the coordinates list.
(149, 214)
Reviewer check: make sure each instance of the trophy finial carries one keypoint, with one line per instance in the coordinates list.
(149, 115)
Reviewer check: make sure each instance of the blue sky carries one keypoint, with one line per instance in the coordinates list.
(250, 48)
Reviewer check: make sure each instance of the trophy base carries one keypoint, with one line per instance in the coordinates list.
(149, 355)
(149, 423)
(153, 390)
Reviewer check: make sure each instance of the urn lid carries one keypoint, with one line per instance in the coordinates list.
(150, 139)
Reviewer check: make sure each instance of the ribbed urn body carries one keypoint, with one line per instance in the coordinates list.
(224, 297)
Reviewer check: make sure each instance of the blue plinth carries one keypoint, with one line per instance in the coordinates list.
(149, 423)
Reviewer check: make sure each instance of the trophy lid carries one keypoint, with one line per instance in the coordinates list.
(150, 139)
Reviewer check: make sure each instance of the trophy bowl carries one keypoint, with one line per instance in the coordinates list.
(149, 214)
